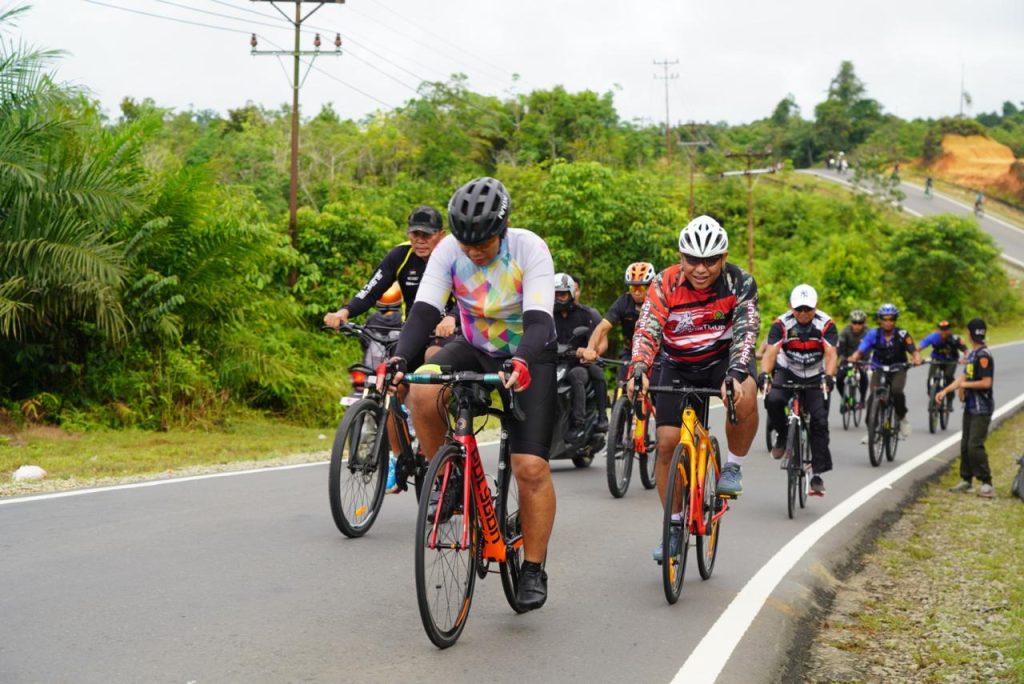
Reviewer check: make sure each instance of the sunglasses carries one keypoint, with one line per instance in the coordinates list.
(708, 262)
(804, 309)
(638, 288)
(888, 319)
(419, 235)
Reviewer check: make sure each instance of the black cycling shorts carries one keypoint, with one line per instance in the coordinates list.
(669, 407)
(533, 435)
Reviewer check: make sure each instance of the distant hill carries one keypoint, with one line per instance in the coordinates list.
(976, 161)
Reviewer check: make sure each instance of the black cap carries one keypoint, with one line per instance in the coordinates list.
(977, 328)
(425, 218)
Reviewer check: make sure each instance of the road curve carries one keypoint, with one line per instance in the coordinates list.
(245, 579)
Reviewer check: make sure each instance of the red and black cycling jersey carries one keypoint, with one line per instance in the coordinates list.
(699, 327)
(802, 347)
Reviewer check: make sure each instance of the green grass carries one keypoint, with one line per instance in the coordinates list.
(119, 453)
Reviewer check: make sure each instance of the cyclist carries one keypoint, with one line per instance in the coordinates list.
(702, 315)
(802, 349)
(946, 350)
(404, 264)
(928, 183)
(979, 202)
(501, 278)
(624, 311)
(887, 345)
(849, 339)
(570, 315)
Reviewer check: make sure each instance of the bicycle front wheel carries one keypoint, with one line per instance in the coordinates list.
(876, 433)
(507, 509)
(944, 412)
(619, 450)
(359, 465)
(933, 409)
(893, 433)
(673, 565)
(707, 543)
(792, 468)
(803, 484)
(649, 459)
(446, 553)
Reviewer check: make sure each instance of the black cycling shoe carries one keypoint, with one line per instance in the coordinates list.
(533, 587)
(452, 500)
(575, 434)
(602, 423)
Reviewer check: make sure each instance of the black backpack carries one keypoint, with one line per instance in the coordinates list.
(1017, 488)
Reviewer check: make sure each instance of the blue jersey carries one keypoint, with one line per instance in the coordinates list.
(980, 364)
(944, 350)
(885, 352)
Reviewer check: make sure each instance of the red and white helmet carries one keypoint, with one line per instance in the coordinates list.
(640, 273)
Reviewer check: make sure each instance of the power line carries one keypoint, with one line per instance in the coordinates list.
(215, 14)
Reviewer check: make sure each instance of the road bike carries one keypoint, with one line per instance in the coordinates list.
(361, 449)
(691, 491)
(630, 436)
(465, 524)
(796, 459)
(851, 409)
(883, 427)
(938, 413)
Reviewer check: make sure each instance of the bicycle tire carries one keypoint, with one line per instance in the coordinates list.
(876, 435)
(792, 457)
(619, 449)
(359, 466)
(893, 434)
(507, 510)
(649, 459)
(847, 415)
(858, 413)
(673, 566)
(944, 413)
(933, 408)
(446, 574)
(803, 483)
(707, 544)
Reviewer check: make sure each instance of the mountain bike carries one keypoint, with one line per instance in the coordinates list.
(360, 452)
(883, 428)
(938, 414)
(472, 525)
(691, 491)
(630, 436)
(850, 408)
(796, 460)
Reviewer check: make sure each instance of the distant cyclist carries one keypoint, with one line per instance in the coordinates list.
(979, 204)
(947, 348)
(888, 345)
(928, 187)
(849, 339)
(623, 312)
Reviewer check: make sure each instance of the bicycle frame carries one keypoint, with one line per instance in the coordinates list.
(697, 441)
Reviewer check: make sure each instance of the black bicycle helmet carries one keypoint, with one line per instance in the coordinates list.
(479, 210)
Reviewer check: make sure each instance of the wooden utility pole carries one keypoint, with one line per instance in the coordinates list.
(750, 172)
(296, 84)
(668, 122)
(692, 147)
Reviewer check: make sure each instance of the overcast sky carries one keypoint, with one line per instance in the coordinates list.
(737, 59)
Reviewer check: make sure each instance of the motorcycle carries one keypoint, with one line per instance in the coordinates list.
(581, 452)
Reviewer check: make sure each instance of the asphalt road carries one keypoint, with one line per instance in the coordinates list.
(1007, 236)
(246, 579)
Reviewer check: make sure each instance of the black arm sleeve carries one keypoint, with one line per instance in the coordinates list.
(538, 331)
(423, 318)
(377, 285)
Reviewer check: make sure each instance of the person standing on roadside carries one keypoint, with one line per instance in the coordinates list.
(975, 389)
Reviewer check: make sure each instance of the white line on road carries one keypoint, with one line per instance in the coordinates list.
(709, 657)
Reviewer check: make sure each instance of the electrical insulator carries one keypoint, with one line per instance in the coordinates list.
(252, 41)
(316, 41)
(337, 41)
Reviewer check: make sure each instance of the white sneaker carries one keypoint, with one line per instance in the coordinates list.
(905, 428)
(864, 439)
(987, 491)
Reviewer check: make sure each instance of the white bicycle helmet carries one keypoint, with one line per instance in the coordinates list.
(703, 237)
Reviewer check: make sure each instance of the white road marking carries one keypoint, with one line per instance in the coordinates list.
(709, 657)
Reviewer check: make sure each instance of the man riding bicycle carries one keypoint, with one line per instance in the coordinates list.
(624, 311)
(849, 339)
(501, 278)
(702, 316)
(888, 345)
(947, 348)
(807, 339)
(569, 315)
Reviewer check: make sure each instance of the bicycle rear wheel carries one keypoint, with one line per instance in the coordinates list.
(507, 509)
(673, 565)
(620, 449)
(858, 413)
(707, 543)
(933, 408)
(944, 412)
(876, 433)
(445, 568)
(359, 465)
(649, 458)
(847, 414)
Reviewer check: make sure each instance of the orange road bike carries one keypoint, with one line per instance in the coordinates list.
(464, 525)
(691, 491)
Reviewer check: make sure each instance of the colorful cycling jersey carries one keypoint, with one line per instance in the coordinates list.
(980, 364)
(849, 340)
(624, 312)
(802, 347)
(944, 349)
(493, 298)
(699, 327)
(886, 351)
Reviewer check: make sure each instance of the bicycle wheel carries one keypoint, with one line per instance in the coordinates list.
(359, 466)
(933, 408)
(892, 434)
(944, 412)
(792, 457)
(858, 412)
(876, 433)
(649, 459)
(445, 569)
(707, 543)
(847, 414)
(803, 483)
(507, 509)
(620, 449)
(673, 567)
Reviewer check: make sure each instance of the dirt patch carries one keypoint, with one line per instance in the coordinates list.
(975, 161)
